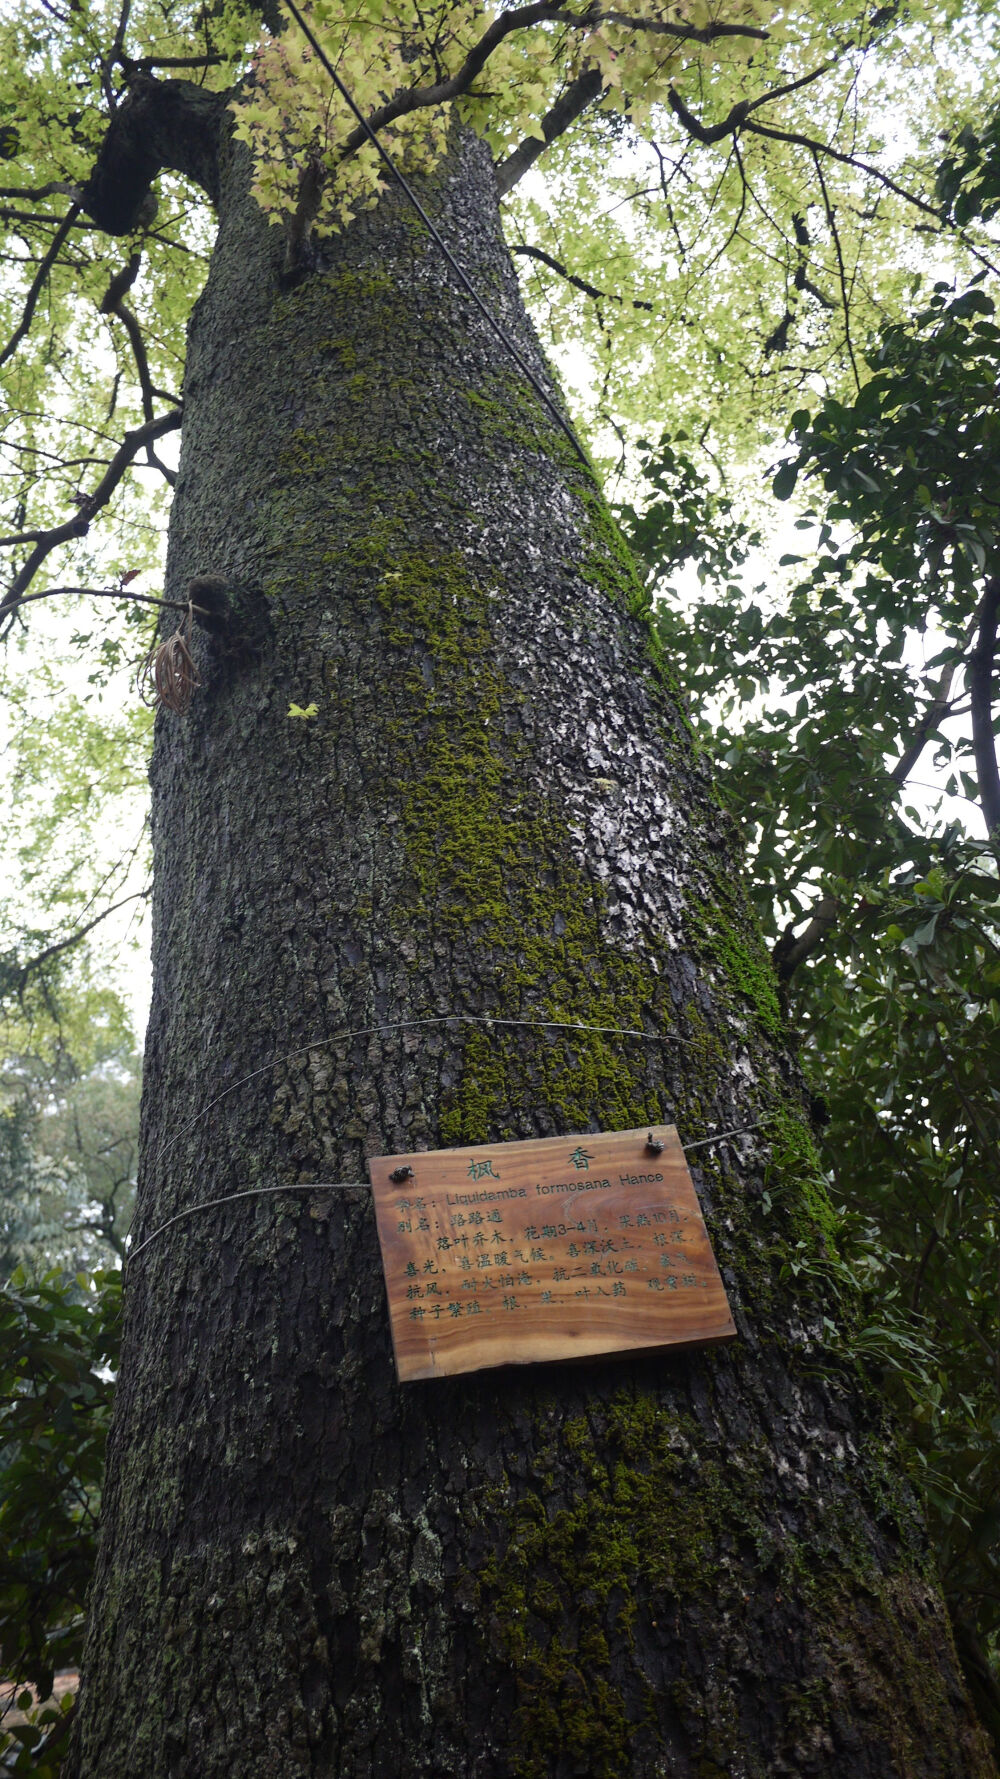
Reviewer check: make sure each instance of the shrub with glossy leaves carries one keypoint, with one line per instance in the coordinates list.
(58, 1353)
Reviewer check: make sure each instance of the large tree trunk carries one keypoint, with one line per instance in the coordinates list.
(693, 1565)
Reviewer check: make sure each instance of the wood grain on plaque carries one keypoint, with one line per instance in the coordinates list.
(560, 1248)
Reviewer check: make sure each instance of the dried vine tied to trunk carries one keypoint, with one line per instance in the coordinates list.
(168, 677)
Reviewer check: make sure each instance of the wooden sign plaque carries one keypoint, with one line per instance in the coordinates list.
(562, 1248)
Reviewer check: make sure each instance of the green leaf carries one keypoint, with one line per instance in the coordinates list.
(783, 485)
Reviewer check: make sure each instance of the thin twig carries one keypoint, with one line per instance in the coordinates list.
(37, 285)
(844, 293)
(177, 605)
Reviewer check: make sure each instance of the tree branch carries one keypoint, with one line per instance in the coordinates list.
(415, 98)
(48, 541)
(114, 54)
(112, 304)
(707, 133)
(173, 605)
(682, 33)
(580, 93)
(777, 339)
(15, 982)
(739, 119)
(933, 715)
(54, 188)
(789, 952)
(981, 663)
(522, 18)
(146, 64)
(846, 160)
(591, 290)
(38, 218)
(38, 283)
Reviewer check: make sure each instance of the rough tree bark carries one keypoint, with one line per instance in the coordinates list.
(696, 1565)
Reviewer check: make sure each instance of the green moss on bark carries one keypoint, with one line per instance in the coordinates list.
(489, 857)
(727, 939)
(653, 1516)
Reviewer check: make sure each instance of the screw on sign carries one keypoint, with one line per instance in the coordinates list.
(560, 1248)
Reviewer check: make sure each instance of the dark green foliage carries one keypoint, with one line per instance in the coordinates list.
(912, 463)
(58, 1352)
(16, 1170)
(835, 699)
(968, 181)
(903, 1027)
(685, 521)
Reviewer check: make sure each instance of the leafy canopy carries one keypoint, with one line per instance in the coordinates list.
(500, 71)
(719, 181)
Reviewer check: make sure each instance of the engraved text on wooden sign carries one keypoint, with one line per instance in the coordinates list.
(560, 1248)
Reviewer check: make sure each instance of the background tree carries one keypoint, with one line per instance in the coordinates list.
(71, 1143)
(617, 55)
(883, 914)
(69, 1108)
